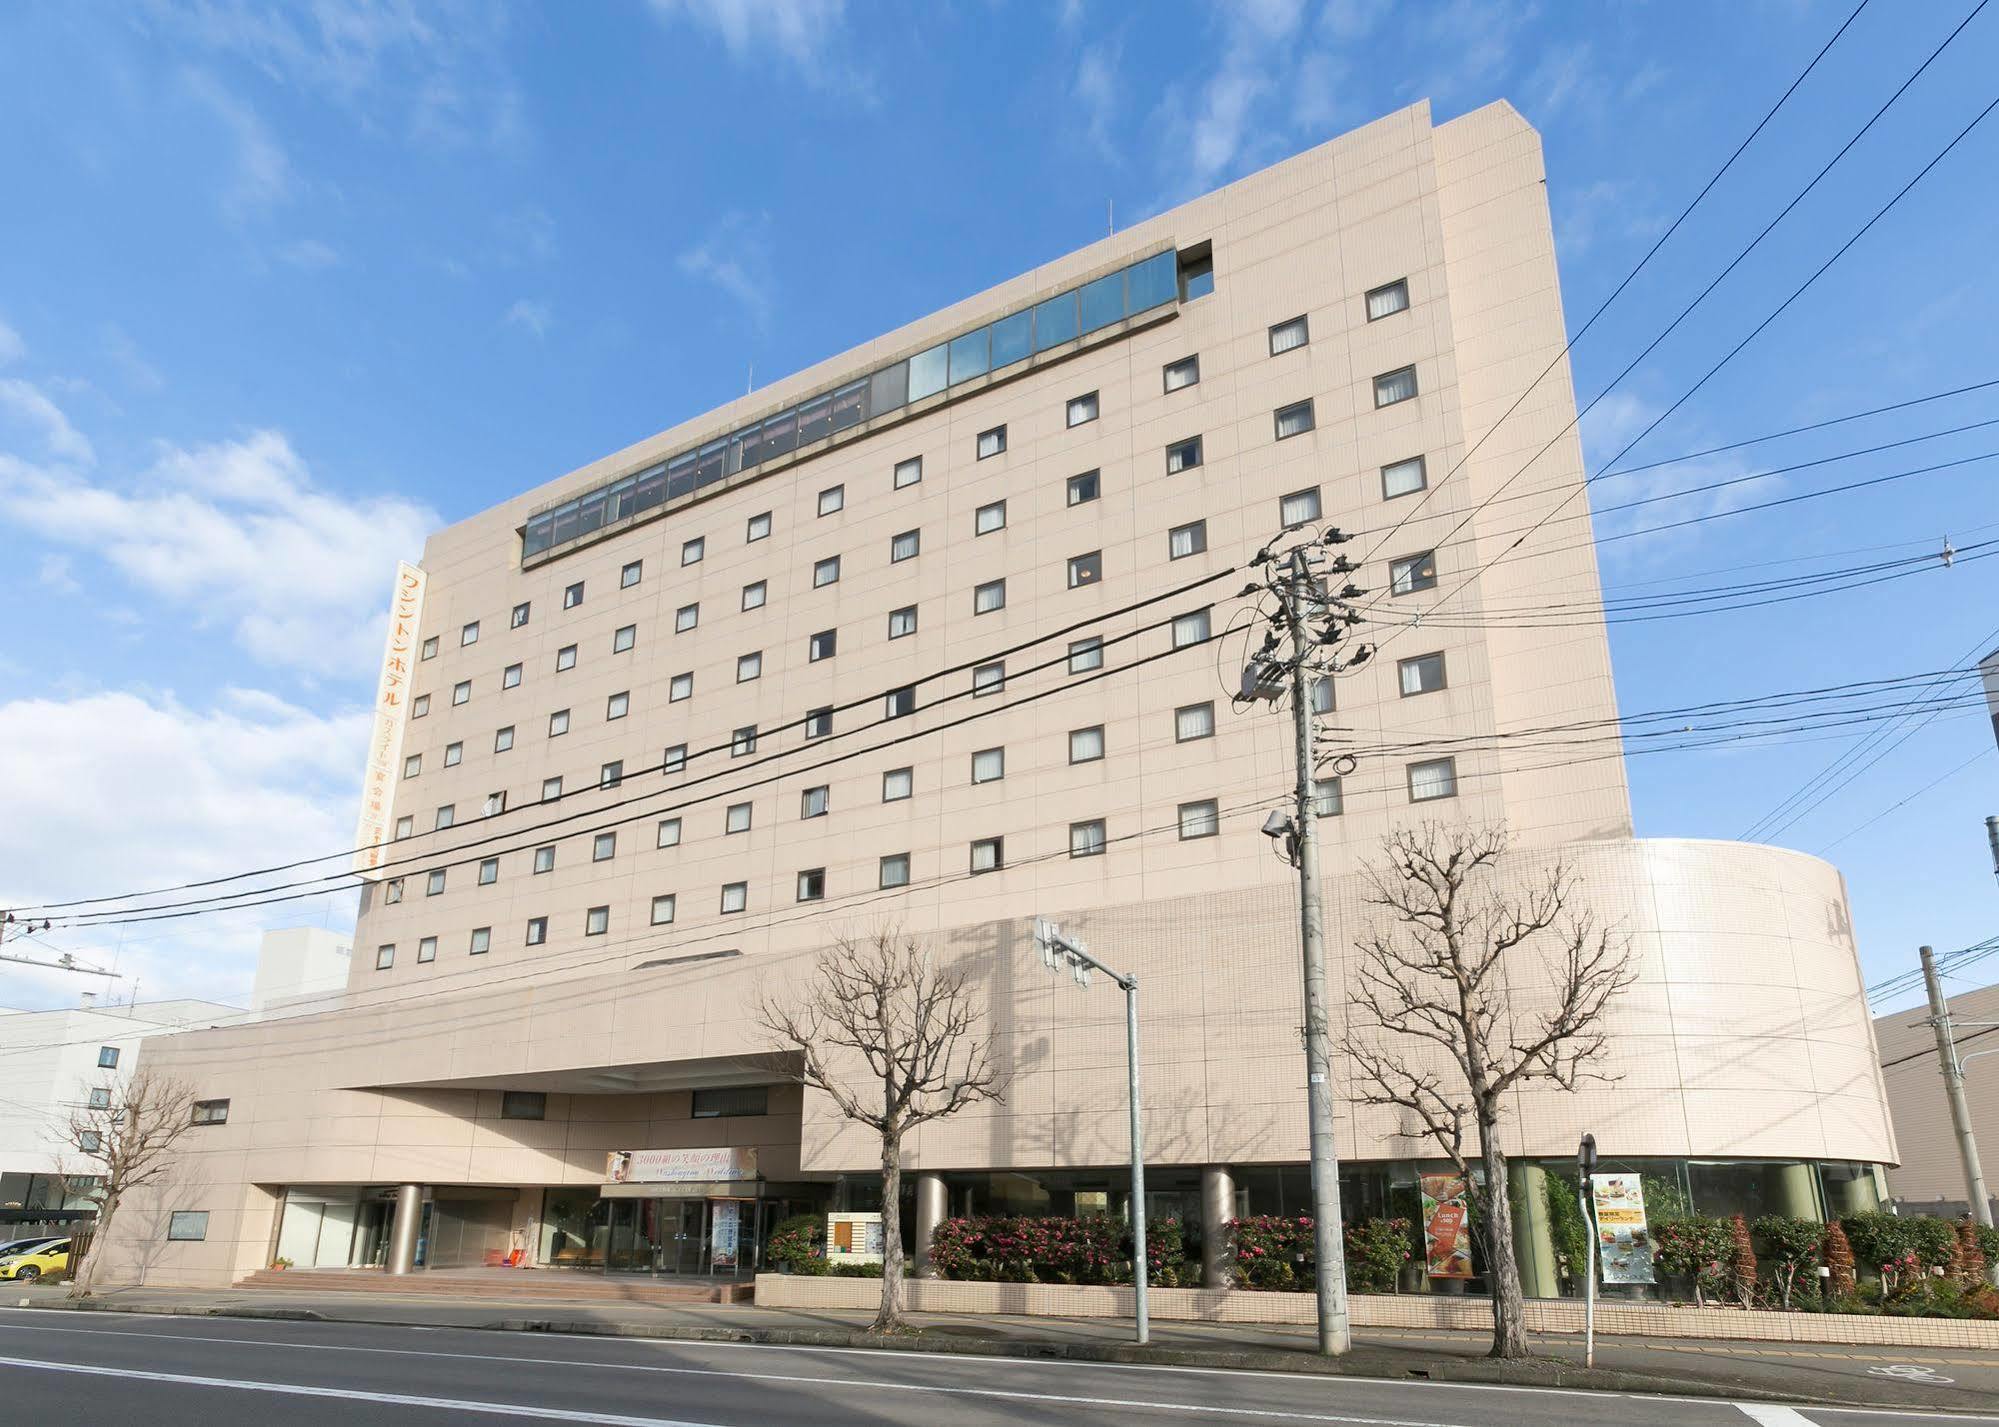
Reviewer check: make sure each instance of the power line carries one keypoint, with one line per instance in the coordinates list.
(1902, 802)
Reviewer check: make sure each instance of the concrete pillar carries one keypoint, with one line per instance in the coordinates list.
(1217, 1208)
(404, 1229)
(932, 1208)
(1797, 1192)
(1533, 1232)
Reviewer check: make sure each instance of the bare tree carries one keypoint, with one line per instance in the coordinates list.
(120, 1140)
(894, 1041)
(1511, 989)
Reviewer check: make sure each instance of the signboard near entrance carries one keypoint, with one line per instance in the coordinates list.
(1446, 1225)
(726, 1235)
(854, 1238)
(1622, 1238)
(717, 1165)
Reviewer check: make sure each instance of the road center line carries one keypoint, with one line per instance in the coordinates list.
(1772, 1414)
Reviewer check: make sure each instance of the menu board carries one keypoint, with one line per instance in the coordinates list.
(1446, 1225)
(1623, 1244)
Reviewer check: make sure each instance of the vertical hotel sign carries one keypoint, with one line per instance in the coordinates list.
(385, 739)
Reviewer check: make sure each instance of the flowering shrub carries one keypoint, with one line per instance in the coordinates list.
(1011, 1249)
(797, 1244)
(1376, 1251)
(1274, 1251)
(1700, 1250)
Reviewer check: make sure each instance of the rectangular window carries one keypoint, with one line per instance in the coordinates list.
(426, 950)
(90, 1142)
(823, 645)
(753, 595)
(1299, 508)
(989, 518)
(1085, 488)
(813, 802)
(1202, 819)
(572, 595)
(385, 956)
(1294, 420)
(1082, 409)
(1388, 299)
(565, 658)
(618, 705)
(596, 921)
(446, 816)
(1086, 745)
(430, 648)
(604, 847)
(1413, 573)
(826, 572)
(988, 854)
(1321, 694)
(812, 885)
(188, 1225)
(611, 774)
(510, 677)
(1326, 798)
(520, 616)
(211, 1112)
(901, 622)
(732, 1101)
(1184, 373)
(1391, 387)
(523, 1104)
(905, 546)
(895, 870)
(469, 634)
(624, 638)
(1424, 674)
(899, 703)
(897, 784)
(735, 897)
(988, 678)
(1193, 721)
(503, 739)
(687, 617)
(1288, 336)
(420, 705)
(674, 759)
(100, 1098)
(631, 574)
(537, 931)
(454, 754)
(749, 666)
(1433, 779)
(405, 825)
(1086, 839)
(818, 722)
(481, 941)
(107, 1057)
(413, 765)
(544, 858)
(989, 765)
(496, 803)
(1183, 455)
(669, 833)
(392, 891)
(992, 442)
(433, 882)
(1086, 569)
(558, 723)
(1086, 654)
(989, 597)
(1403, 478)
(680, 688)
(691, 551)
(461, 692)
(756, 528)
(662, 909)
(832, 500)
(909, 472)
(489, 871)
(1185, 540)
(736, 818)
(743, 742)
(1190, 629)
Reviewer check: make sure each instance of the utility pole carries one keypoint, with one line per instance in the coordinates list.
(1314, 618)
(1953, 1083)
(1058, 950)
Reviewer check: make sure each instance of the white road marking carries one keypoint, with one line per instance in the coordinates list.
(1771, 1414)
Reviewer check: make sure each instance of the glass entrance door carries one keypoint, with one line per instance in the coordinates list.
(684, 1248)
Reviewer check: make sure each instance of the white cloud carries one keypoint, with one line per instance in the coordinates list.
(802, 31)
(54, 572)
(12, 348)
(262, 176)
(736, 258)
(238, 531)
(25, 406)
(1096, 89)
(136, 790)
(130, 361)
(531, 316)
(1222, 129)
(309, 254)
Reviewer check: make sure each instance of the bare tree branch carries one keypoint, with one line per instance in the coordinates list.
(119, 1139)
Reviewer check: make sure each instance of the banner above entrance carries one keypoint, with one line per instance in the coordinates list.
(719, 1165)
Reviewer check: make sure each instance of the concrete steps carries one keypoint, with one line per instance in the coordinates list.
(507, 1285)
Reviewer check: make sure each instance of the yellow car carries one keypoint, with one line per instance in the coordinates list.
(50, 1258)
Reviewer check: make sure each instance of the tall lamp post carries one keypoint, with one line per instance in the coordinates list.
(1585, 1168)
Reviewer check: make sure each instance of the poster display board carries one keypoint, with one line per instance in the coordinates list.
(718, 1165)
(726, 1236)
(1446, 1225)
(1623, 1242)
(853, 1238)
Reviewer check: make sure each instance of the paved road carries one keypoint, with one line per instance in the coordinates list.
(193, 1372)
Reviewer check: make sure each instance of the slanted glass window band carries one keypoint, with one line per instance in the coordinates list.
(986, 351)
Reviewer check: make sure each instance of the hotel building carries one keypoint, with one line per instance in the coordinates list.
(924, 636)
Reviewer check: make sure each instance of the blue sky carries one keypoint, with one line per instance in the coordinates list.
(282, 287)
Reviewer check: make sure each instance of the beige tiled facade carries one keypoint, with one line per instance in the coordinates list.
(1746, 1037)
(1931, 1172)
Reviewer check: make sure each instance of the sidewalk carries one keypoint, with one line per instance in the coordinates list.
(1965, 1381)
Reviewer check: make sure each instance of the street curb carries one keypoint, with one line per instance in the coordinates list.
(1366, 1361)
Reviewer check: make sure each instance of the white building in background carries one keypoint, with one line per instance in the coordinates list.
(298, 965)
(50, 1061)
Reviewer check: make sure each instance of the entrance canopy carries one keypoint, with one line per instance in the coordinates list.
(635, 1078)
